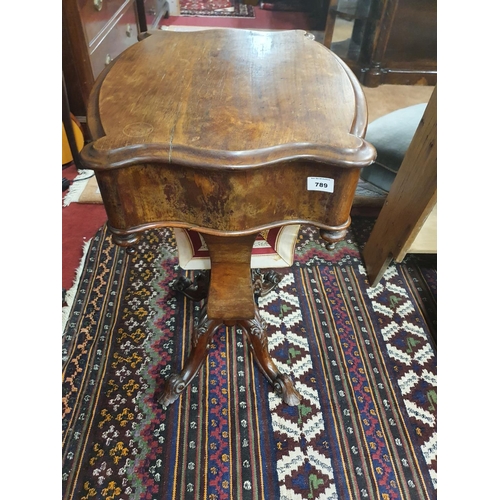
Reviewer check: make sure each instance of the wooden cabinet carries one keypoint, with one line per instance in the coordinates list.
(94, 33)
(120, 35)
(97, 15)
(385, 41)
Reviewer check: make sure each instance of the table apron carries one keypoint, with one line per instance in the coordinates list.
(225, 200)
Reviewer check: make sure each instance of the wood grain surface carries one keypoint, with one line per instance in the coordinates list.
(228, 98)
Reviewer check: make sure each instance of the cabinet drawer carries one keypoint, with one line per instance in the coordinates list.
(95, 16)
(122, 35)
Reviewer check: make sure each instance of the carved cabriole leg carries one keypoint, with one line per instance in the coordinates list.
(200, 345)
(255, 332)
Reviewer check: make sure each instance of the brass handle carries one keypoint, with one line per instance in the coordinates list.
(129, 30)
(108, 59)
(97, 4)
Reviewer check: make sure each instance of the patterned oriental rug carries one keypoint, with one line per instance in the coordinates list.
(363, 359)
(215, 8)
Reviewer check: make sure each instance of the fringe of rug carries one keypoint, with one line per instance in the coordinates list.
(76, 188)
(70, 294)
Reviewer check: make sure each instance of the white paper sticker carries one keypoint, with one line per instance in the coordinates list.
(320, 184)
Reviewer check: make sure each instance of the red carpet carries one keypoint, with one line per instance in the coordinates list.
(216, 8)
(79, 223)
(263, 20)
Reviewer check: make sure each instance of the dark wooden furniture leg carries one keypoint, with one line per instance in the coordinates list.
(255, 332)
(230, 299)
(332, 237)
(194, 290)
(330, 23)
(200, 345)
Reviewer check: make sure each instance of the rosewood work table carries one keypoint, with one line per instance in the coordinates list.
(227, 132)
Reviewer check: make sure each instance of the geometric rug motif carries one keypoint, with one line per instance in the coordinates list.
(363, 359)
(412, 358)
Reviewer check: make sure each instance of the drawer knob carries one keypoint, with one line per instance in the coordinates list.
(97, 4)
(108, 59)
(129, 30)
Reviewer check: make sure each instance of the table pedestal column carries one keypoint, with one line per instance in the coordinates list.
(230, 295)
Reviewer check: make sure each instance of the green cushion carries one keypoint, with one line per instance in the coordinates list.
(391, 136)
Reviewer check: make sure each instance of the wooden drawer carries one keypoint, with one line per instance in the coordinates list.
(89, 35)
(123, 34)
(95, 22)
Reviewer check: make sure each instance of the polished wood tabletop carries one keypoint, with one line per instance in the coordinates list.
(227, 132)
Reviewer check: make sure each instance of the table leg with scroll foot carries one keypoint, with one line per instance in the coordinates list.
(202, 337)
(255, 332)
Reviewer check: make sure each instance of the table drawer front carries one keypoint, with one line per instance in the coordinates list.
(225, 200)
(121, 36)
(96, 15)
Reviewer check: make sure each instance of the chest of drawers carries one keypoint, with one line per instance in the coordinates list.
(95, 32)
